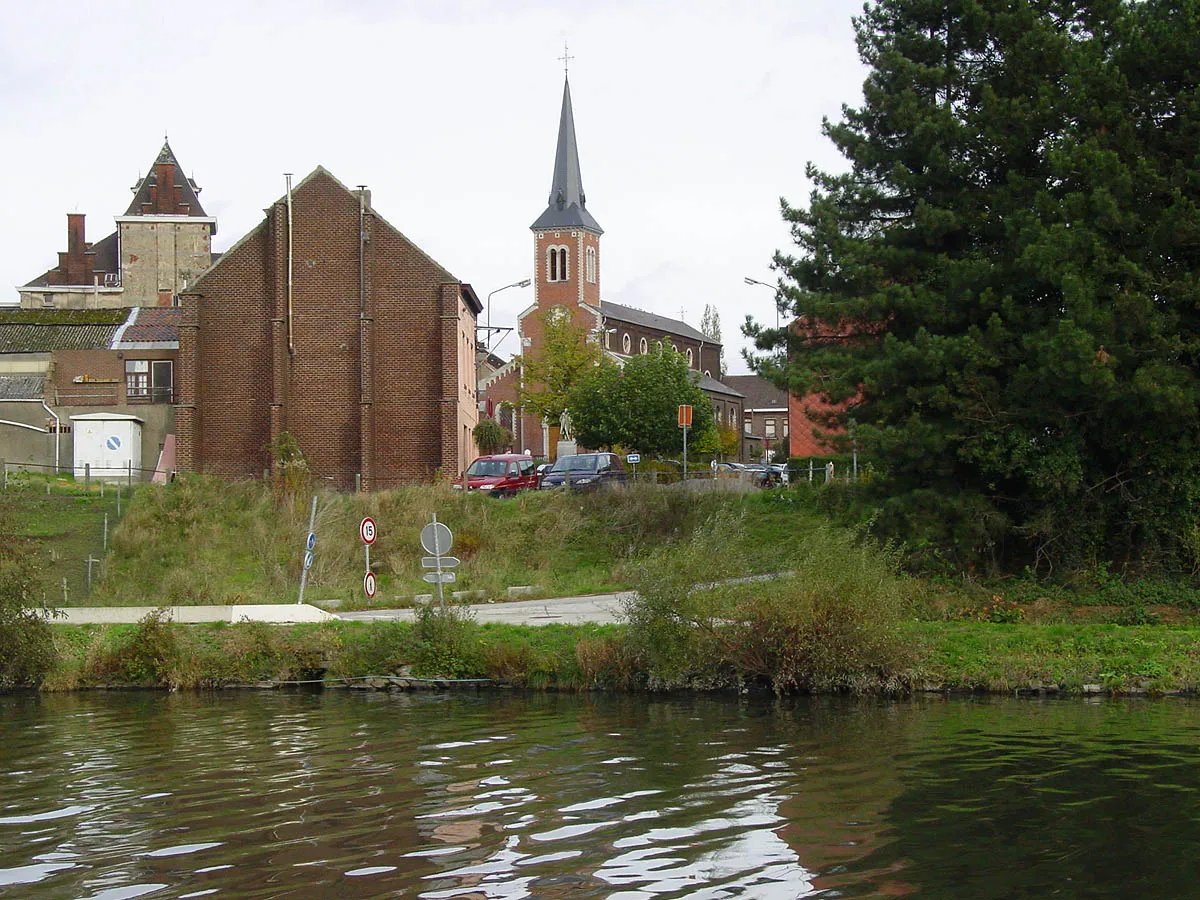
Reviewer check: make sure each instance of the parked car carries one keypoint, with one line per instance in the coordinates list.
(585, 471)
(501, 475)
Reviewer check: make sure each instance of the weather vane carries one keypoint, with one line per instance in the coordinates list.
(566, 58)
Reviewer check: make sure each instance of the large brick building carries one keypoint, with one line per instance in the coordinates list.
(162, 242)
(567, 276)
(328, 324)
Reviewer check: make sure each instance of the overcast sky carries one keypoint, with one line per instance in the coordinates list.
(693, 119)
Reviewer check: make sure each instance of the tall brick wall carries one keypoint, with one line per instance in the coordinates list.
(370, 390)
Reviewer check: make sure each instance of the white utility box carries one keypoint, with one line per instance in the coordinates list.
(108, 442)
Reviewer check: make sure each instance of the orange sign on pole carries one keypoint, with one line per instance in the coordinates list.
(685, 417)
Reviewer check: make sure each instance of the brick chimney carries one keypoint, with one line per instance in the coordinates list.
(164, 197)
(76, 265)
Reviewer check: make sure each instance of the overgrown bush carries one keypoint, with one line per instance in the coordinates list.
(445, 642)
(148, 655)
(26, 641)
(833, 623)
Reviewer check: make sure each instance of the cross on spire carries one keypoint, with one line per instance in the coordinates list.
(566, 58)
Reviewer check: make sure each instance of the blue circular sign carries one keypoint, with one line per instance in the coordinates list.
(113, 443)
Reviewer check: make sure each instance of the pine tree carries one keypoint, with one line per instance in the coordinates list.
(1006, 279)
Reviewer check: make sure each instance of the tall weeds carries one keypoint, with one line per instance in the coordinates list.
(832, 624)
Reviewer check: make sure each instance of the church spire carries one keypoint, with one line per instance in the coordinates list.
(568, 204)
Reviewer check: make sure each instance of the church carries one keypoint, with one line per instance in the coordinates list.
(566, 250)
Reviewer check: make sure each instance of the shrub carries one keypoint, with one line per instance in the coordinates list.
(445, 643)
(148, 655)
(832, 625)
(26, 642)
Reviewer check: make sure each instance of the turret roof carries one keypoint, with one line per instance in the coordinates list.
(148, 200)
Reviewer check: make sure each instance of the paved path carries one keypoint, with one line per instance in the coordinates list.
(602, 608)
(277, 614)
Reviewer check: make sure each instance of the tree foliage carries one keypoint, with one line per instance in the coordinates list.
(710, 326)
(636, 405)
(26, 643)
(1006, 282)
(566, 353)
(491, 437)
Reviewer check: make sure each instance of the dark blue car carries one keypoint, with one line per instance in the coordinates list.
(585, 471)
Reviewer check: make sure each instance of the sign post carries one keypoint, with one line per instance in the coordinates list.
(437, 539)
(368, 532)
(685, 422)
(309, 543)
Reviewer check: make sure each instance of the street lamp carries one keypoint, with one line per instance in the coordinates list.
(773, 287)
(525, 282)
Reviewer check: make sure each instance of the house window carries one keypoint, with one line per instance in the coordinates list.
(626, 343)
(643, 346)
(557, 264)
(149, 381)
(748, 427)
(769, 428)
(591, 265)
(785, 421)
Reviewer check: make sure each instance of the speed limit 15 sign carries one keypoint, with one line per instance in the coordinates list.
(367, 530)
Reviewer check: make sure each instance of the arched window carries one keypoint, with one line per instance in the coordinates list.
(689, 356)
(591, 265)
(608, 338)
(556, 264)
(644, 346)
(626, 343)
(707, 374)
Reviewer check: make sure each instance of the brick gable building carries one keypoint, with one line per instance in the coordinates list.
(362, 348)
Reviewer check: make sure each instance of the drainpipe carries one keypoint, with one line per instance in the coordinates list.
(291, 345)
(57, 426)
(57, 433)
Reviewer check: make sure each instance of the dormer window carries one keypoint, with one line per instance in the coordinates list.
(556, 264)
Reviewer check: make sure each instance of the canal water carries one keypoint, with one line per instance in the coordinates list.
(497, 795)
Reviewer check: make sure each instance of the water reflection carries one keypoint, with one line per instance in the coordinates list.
(509, 796)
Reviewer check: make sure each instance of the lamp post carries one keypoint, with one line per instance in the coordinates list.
(525, 282)
(774, 288)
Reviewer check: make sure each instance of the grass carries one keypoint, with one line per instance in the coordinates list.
(64, 522)
(970, 656)
(202, 540)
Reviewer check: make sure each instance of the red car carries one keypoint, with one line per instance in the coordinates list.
(502, 475)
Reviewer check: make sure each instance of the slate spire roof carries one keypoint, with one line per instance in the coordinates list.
(176, 195)
(568, 204)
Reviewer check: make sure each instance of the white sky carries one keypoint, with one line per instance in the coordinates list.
(693, 119)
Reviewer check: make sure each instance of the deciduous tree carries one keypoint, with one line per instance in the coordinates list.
(567, 352)
(636, 405)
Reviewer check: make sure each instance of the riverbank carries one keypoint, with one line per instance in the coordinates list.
(948, 657)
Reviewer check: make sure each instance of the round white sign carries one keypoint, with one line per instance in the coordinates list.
(369, 585)
(366, 530)
(436, 539)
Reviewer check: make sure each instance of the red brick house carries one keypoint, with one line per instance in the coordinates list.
(327, 323)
